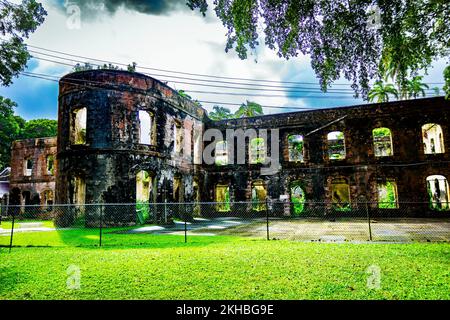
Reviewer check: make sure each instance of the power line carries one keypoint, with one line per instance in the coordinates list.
(246, 94)
(188, 73)
(295, 89)
(71, 81)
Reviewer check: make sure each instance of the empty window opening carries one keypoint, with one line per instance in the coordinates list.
(259, 195)
(177, 189)
(297, 198)
(340, 195)
(28, 167)
(78, 126)
(296, 148)
(79, 190)
(336, 145)
(177, 137)
(143, 192)
(196, 194)
(47, 198)
(26, 198)
(222, 198)
(438, 192)
(382, 142)
(221, 153)
(257, 151)
(433, 141)
(50, 160)
(145, 127)
(387, 195)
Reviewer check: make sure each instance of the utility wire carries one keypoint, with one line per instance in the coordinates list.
(71, 81)
(245, 94)
(283, 88)
(188, 73)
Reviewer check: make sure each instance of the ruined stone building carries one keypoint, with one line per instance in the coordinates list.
(33, 172)
(128, 138)
(4, 185)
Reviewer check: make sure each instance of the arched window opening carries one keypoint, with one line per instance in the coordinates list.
(178, 191)
(438, 192)
(297, 198)
(178, 137)
(222, 198)
(78, 126)
(79, 190)
(257, 151)
(221, 153)
(28, 167)
(143, 192)
(296, 148)
(50, 164)
(145, 127)
(387, 195)
(336, 145)
(340, 195)
(47, 199)
(259, 195)
(433, 141)
(382, 142)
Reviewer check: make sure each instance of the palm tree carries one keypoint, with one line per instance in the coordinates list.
(380, 92)
(220, 113)
(249, 109)
(437, 91)
(415, 87)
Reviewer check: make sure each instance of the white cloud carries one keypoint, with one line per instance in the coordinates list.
(183, 41)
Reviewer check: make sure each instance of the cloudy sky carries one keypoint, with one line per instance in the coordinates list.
(164, 35)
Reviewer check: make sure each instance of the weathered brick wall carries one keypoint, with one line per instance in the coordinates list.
(409, 165)
(112, 155)
(39, 180)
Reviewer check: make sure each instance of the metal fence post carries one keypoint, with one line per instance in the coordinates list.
(267, 219)
(368, 221)
(101, 223)
(185, 224)
(12, 231)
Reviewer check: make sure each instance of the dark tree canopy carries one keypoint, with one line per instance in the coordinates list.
(9, 129)
(13, 127)
(39, 128)
(17, 21)
(358, 39)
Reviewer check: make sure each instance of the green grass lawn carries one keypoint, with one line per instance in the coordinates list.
(226, 268)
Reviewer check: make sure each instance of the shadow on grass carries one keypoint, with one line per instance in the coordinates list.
(113, 238)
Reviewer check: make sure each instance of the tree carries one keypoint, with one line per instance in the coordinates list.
(446, 87)
(437, 91)
(359, 39)
(249, 109)
(39, 128)
(184, 94)
(416, 87)
(17, 21)
(132, 67)
(380, 92)
(220, 113)
(10, 126)
(79, 67)
(13, 127)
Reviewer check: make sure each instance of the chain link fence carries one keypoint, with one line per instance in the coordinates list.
(145, 223)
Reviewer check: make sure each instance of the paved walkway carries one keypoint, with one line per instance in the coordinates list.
(386, 230)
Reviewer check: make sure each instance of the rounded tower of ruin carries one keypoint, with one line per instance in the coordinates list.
(114, 125)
